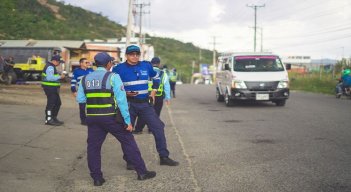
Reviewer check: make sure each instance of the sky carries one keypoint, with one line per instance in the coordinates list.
(316, 28)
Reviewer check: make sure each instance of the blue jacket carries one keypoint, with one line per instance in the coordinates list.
(78, 74)
(118, 90)
(346, 80)
(135, 77)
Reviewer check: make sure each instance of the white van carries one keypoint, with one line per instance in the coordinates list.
(251, 76)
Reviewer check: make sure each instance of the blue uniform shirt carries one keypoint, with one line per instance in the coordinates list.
(50, 74)
(118, 90)
(136, 77)
(78, 74)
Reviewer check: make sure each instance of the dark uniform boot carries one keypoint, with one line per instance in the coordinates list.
(58, 121)
(52, 122)
(168, 161)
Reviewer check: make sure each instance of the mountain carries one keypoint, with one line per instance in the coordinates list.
(52, 20)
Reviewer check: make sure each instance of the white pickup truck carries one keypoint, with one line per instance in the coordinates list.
(251, 76)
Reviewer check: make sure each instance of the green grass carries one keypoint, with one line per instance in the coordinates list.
(313, 82)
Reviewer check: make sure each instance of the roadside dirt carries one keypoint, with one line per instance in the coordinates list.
(33, 94)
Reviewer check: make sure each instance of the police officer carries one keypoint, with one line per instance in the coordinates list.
(173, 80)
(78, 74)
(105, 99)
(51, 85)
(163, 93)
(135, 75)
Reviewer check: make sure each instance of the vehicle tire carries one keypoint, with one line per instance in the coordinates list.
(220, 98)
(280, 102)
(228, 102)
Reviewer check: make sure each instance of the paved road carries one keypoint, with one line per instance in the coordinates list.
(304, 146)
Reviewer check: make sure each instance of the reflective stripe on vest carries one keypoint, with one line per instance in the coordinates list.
(100, 100)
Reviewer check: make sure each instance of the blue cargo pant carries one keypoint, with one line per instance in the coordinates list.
(157, 106)
(82, 114)
(98, 127)
(147, 112)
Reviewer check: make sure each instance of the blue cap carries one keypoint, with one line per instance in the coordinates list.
(56, 58)
(102, 58)
(155, 60)
(132, 48)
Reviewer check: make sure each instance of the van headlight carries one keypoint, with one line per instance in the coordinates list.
(238, 84)
(283, 84)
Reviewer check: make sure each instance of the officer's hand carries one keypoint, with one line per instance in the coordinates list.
(63, 76)
(152, 95)
(168, 102)
(131, 93)
(129, 128)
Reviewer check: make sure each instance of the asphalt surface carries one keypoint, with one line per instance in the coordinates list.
(304, 146)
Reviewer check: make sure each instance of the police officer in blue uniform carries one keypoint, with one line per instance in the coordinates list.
(135, 75)
(107, 112)
(51, 86)
(163, 93)
(78, 74)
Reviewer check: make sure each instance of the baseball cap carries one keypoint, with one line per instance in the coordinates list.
(155, 60)
(56, 58)
(102, 58)
(132, 48)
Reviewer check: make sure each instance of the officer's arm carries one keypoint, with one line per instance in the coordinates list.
(81, 98)
(167, 87)
(121, 98)
(50, 74)
(74, 82)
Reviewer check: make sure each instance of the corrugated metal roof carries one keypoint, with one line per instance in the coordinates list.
(41, 43)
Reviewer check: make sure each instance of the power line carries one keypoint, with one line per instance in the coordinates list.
(255, 8)
(141, 12)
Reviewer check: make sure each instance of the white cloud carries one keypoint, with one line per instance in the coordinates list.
(304, 27)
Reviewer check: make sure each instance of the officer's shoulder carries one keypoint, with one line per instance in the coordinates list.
(146, 62)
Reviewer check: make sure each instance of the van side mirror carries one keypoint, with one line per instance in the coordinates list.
(226, 67)
(288, 66)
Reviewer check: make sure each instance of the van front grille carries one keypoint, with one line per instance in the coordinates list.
(262, 85)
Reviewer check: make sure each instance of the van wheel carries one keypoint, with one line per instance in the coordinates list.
(280, 102)
(219, 97)
(227, 100)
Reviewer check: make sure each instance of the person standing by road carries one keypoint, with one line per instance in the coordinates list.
(107, 112)
(173, 80)
(78, 74)
(163, 93)
(51, 86)
(135, 75)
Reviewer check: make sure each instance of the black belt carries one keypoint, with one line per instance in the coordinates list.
(136, 100)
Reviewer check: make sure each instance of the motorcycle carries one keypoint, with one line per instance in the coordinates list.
(342, 91)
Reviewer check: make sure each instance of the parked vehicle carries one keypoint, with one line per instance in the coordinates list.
(252, 76)
(29, 61)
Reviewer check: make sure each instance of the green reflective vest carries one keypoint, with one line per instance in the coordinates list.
(159, 91)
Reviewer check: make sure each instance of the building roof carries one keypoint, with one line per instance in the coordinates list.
(41, 43)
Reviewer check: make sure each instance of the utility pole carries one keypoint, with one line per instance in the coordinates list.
(255, 8)
(129, 25)
(141, 12)
(214, 58)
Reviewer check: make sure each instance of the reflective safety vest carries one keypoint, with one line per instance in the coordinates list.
(44, 80)
(99, 93)
(159, 91)
(173, 76)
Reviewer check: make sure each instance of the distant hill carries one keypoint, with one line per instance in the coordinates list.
(49, 19)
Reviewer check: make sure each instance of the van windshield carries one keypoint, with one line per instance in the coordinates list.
(258, 63)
